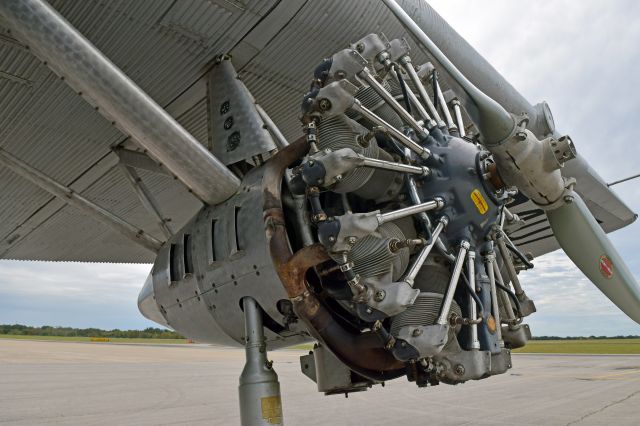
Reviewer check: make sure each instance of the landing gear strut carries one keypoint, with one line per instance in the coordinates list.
(260, 402)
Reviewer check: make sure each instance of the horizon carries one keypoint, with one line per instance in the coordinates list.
(160, 328)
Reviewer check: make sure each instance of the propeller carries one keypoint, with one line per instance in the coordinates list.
(586, 244)
(574, 227)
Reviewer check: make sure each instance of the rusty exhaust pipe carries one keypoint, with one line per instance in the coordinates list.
(364, 353)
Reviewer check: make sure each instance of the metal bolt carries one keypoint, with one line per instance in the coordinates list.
(568, 198)
(416, 332)
(332, 238)
(360, 47)
(363, 140)
(324, 104)
(379, 296)
(369, 310)
(352, 240)
(521, 136)
(338, 178)
(459, 370)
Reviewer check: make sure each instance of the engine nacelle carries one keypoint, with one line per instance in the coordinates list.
(201, 275)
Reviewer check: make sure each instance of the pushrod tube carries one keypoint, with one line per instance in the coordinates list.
(395, 166)
(490, 260)
(408, 66)
(458, 113)
(415, 102)
(511, 270)
(436, 203)
(424, 253)
(453, 283)
(406, 117)
(471, 268)
(504, 297)
(395, 133)
(443, 105)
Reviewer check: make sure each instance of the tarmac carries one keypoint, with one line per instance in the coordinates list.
(44, 382)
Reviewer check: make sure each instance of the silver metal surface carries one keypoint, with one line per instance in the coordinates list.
(424, 253)
(145, 197)
(117, 97)
(415, 196)
(511, 270)
(237, 131)
(330, 374)
(395, 166)
(415, 102)
(278, 137)
(586, 244)
(139, 160)
(443, 318)
(503, 297)
(260, 401)
(147, 304)
(495, 309)
(459, 121)
(391, 101)
(229, 260)
(409, 211)
(471, 273)
(408, 66)
(69, 196)
(395, 133)
(445, 109)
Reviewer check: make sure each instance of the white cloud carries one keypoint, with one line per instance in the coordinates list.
(74, 294)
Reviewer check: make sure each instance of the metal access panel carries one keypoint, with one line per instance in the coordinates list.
(236, 130)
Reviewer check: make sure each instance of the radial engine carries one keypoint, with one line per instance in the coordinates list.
(381, 233)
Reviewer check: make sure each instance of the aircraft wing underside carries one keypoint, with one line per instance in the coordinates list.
(166, 47)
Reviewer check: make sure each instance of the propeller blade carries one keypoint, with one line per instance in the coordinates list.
(587, 245)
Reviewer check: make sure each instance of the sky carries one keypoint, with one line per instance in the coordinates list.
(581, 56)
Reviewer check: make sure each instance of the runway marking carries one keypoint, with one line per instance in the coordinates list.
(618, 374)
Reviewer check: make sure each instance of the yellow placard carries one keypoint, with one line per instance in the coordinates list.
(479, 201)
(272, 409)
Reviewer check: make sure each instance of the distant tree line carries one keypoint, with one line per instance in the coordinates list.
(583, 338)
(159, 333)
(47, 330)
